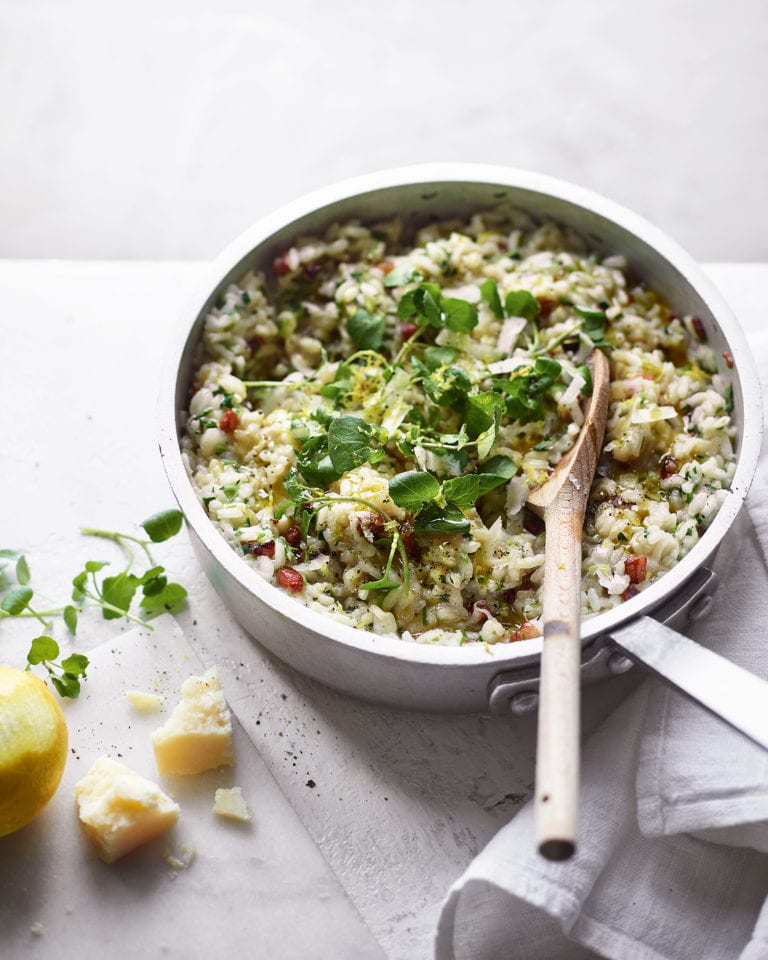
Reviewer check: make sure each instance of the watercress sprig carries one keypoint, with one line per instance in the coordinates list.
(113, 594)
(427, 305)
(65, 676)
(438, 506)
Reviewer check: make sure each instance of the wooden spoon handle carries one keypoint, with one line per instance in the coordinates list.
(557, 753)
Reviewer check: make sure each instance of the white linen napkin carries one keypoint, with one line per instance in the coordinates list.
(673, 831)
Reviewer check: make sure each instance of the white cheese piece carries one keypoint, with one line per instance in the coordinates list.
(573, 389)
(186, 855)
(230, 803)
(508, 364)
(198, 734)
(120, 809)
(144, 702)
(510, 329)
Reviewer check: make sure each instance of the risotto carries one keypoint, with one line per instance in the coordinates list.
(369, 417)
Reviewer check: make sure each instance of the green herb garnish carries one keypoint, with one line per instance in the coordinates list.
(593, 324)
(113, 594)
(437, 507)
(352, 442)
(65, 676)
(521, 303)
(489, 291)
(365, 330)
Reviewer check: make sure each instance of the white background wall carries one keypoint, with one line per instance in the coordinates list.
(158, 129)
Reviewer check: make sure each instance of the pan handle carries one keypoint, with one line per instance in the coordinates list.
(724, 688)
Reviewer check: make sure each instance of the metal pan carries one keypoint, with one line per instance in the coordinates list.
(467, 679)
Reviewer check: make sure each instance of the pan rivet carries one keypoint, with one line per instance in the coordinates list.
(525, 702)
(618, 663)
(700, 607)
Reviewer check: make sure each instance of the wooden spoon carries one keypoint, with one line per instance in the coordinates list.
(562, 502)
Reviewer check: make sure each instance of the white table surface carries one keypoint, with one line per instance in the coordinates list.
(401, 802)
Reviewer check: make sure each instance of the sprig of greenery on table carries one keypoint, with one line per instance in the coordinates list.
(90, 588)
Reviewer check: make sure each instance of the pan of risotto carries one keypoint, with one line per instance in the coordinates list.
(370, 382)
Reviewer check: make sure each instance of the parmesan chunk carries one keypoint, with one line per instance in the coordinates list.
(120, 809)
(186, 855)
(198, 734)
(230, 803)
(143, 702)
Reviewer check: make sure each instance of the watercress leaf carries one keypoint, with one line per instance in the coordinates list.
(170, 598)
(527, 388)
(460, 315)
(16, 600)
(118, 591)
(486, 440)
(305, 522)
(461, 491)
(93, 566)
(494, 472)
(401, 274)
(435, 357)
(162, 526)
(75, 664)
(294, 485)
(42, 648)
(592, 315)
(427, 300)
(489, 291)
(521, 303)
(67, 686)
(78, 586)
(351, 442)
(488, 482)
(383, 584)
(322, 472)
(547, 371)
(314, 464)
(413, 488)
(433, 289)
(151, 574)
(593, 324)
(337, 390)
(9, 554)
(70, 619)
(283, 508)
(406, 305)
(594, 329)
(448, 386)
(482, 412)
(499, 466)
(443, 525)
(436, 520)
(366, 331)
(154, 586)
(22, 571)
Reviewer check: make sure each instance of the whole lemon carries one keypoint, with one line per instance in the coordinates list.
(33, 747)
